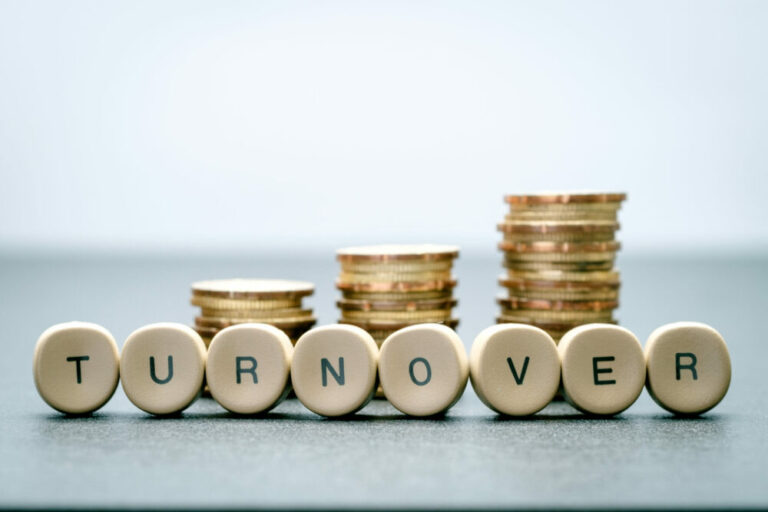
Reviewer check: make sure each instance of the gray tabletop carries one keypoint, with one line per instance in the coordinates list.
(291, 458)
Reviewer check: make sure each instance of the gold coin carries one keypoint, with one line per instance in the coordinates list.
(611, 207)
(558, 226)
(558, 266)
(282, 323)
(542, 276)
(557, 216)
(561, 257)
(256, 315)
(382, 253)
(396, 267)
(244, 304)
(386, 286)
(522, 304)
(437, 315)
(567, 198)
(558, 247)
(597, 236)
(402, 278)
(394, 326)
(558, 294)
(550, 280)
(397, 296)
(252, 289)
(533, 315)
(409, 305)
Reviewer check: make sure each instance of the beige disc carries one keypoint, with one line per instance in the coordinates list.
(514, 368)
(76, 367)
(248, 367)
(689, 368)
(423, 369)
(603, 368)
(334, 369)
(162, 367)
(252, 288)
(381, 253)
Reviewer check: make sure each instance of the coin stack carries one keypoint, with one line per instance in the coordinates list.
(228, 302)
(559, 252)
(387, 287)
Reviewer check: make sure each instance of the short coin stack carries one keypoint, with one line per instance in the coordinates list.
(228, 302)
(559, 252)
(387, 287)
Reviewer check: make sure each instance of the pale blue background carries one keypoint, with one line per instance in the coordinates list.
(272, 126)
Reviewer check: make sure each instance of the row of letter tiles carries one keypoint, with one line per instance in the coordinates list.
(423, 369)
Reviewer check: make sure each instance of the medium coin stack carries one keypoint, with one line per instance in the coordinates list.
(559, 253)
(228, 302)
(387, 287)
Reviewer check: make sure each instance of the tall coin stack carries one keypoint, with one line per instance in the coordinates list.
(228, 302)
(559, 255)
(387, 287)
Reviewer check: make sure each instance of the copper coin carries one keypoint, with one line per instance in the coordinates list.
(252, 288)
(384, 253)
(567, 198)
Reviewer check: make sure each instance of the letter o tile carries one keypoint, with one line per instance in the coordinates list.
(248, 367)
(689, 368)
(514, 368)
(423, 369)
(603, 368)
(162, 367)
(333, 371)
(76, 367)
